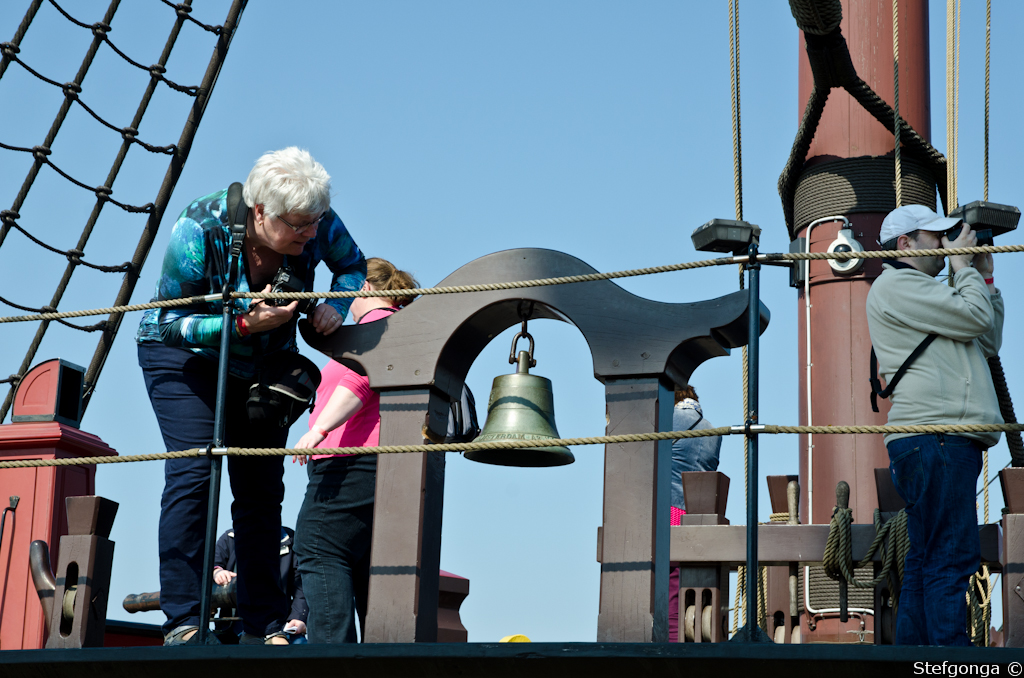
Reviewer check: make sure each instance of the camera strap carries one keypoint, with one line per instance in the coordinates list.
(238, 214)
(876, 385)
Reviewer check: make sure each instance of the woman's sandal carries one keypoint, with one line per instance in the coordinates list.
(187, 634)
(183, 635)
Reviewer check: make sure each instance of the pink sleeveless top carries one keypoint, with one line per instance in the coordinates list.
(363, 428)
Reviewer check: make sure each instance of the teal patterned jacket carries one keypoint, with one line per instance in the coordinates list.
(190, 268)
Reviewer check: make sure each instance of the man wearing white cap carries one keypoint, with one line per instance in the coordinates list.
(938, 336)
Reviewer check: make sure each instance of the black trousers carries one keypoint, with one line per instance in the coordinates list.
(332, 545)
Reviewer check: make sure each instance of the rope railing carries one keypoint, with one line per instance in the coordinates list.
(515, 444)
(521, 284)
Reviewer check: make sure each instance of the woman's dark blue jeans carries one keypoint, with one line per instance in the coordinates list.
(182, 387)
(332, 545)
(937, 476)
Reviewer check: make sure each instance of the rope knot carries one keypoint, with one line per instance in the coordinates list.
(829, 57)
(9, 216)
(156, 70)
(75, 256)
(183, 9)
(48, 309)
(103, 192)
(41, 151)
(9, 49)
(100, 29)
(71, 89)
(129, 133)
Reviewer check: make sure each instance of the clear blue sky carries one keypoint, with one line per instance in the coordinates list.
(451, 130)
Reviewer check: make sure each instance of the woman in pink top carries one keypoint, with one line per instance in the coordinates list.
(332, 534)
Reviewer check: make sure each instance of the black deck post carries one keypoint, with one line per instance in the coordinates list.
(751, 631)
(219, 426)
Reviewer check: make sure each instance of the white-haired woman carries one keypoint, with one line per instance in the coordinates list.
(290, 224)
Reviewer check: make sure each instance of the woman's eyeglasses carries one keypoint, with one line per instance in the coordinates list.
(304, 227)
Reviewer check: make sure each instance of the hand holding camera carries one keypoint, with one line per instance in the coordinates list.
(263, 315)
(964, 236)
(959, 236)
(285, 280)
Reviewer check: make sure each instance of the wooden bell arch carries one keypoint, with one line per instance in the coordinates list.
(418, 359)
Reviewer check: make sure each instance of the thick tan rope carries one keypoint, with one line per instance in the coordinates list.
(518, 444)
(985, 489)
(950, 151)
(734, 69)
(737, 182)
(988, 54)
(888, 254)
(739, 607)
(520, 284)
(737, 170)
(896, 98)
(960, 16)
(487, 287)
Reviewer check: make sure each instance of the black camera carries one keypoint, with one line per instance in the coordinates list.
(984, 234)
(285, 280)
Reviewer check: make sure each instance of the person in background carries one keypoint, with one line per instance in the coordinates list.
(333, 533)
(225, 562)
(289, 223)
(942, 334)
(688, 454)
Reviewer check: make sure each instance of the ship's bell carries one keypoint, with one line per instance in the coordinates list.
(521, 408)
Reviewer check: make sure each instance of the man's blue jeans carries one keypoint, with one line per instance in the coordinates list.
(937, 475)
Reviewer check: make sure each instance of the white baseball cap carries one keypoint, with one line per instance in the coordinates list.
(909, 218)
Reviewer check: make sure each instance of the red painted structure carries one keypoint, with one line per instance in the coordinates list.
(40, 513)
(840, 344)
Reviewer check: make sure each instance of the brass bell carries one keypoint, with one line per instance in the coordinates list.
(521, 407)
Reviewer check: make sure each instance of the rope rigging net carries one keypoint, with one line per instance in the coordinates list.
(178, 15)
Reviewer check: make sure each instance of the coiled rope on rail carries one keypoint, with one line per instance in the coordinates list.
(517, 444)
(838, 557)
(519, 284)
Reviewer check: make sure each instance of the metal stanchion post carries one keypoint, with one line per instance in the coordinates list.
(751, 632)
(219, 426)
(238, 218)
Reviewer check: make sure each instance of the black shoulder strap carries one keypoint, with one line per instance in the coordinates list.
(876, 385)
(700, 418)
(238, 213)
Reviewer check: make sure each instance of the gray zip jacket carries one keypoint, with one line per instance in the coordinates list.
(950, 383)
